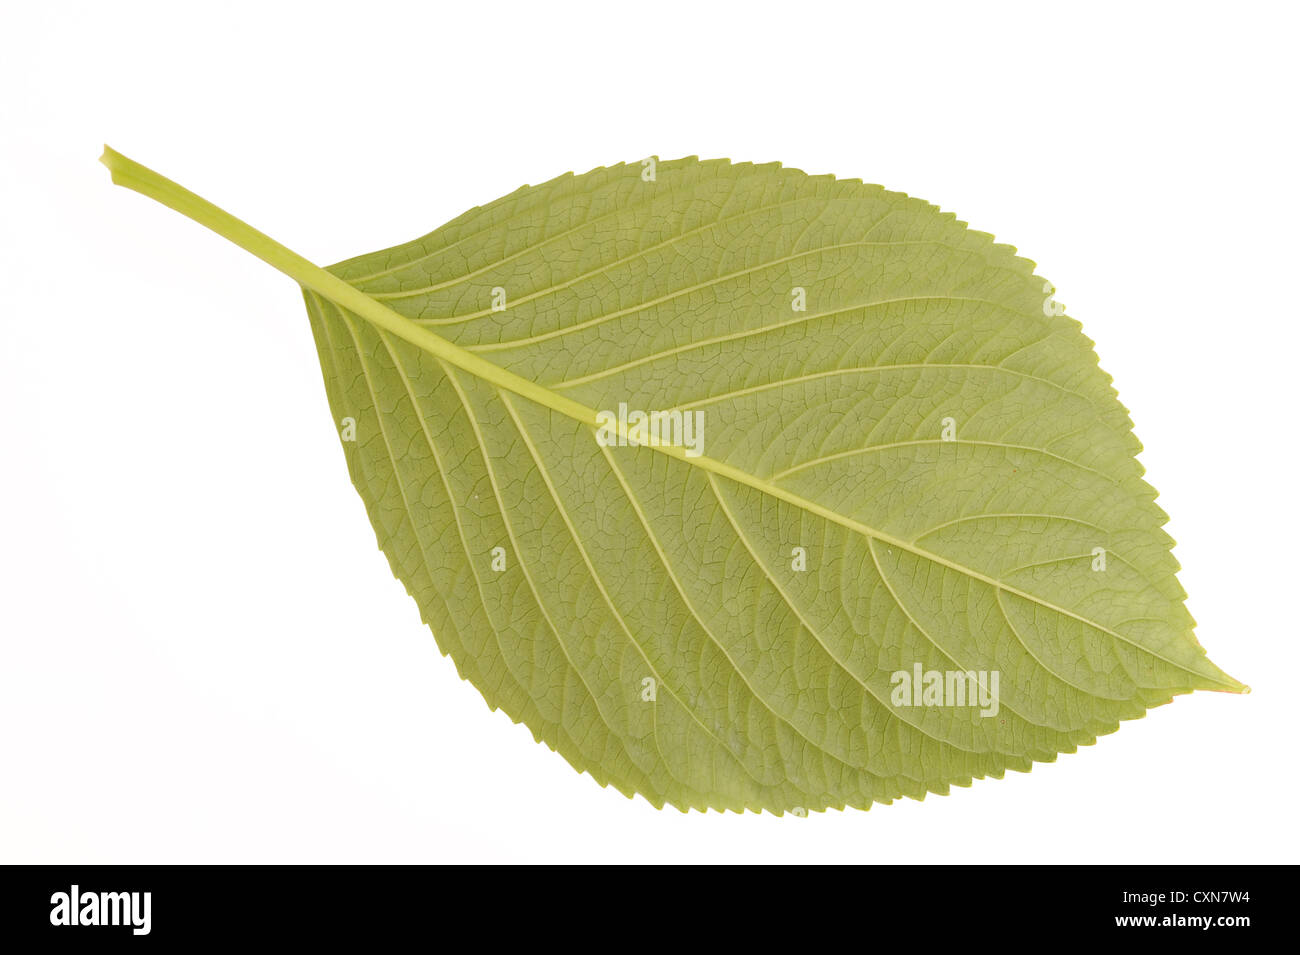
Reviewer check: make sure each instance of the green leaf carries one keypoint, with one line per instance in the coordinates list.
(911, 466)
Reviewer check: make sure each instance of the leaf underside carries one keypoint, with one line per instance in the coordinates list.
(943, 448)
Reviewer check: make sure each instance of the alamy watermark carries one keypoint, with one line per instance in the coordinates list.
(921, 687)
(624, 428)
(76, 907)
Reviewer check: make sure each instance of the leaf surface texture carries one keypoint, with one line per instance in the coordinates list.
(823, 429)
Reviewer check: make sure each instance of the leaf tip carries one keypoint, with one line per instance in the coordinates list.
(1237, 687)
(1229, 684)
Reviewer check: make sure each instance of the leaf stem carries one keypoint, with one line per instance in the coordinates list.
(131, 174)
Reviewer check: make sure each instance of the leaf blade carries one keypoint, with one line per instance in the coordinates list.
(664, 298)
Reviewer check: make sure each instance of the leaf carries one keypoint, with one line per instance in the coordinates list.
(884, 391)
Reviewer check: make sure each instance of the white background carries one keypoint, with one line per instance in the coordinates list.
(204, 656)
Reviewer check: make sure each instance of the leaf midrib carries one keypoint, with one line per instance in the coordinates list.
(134, 176)
(510, 381)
